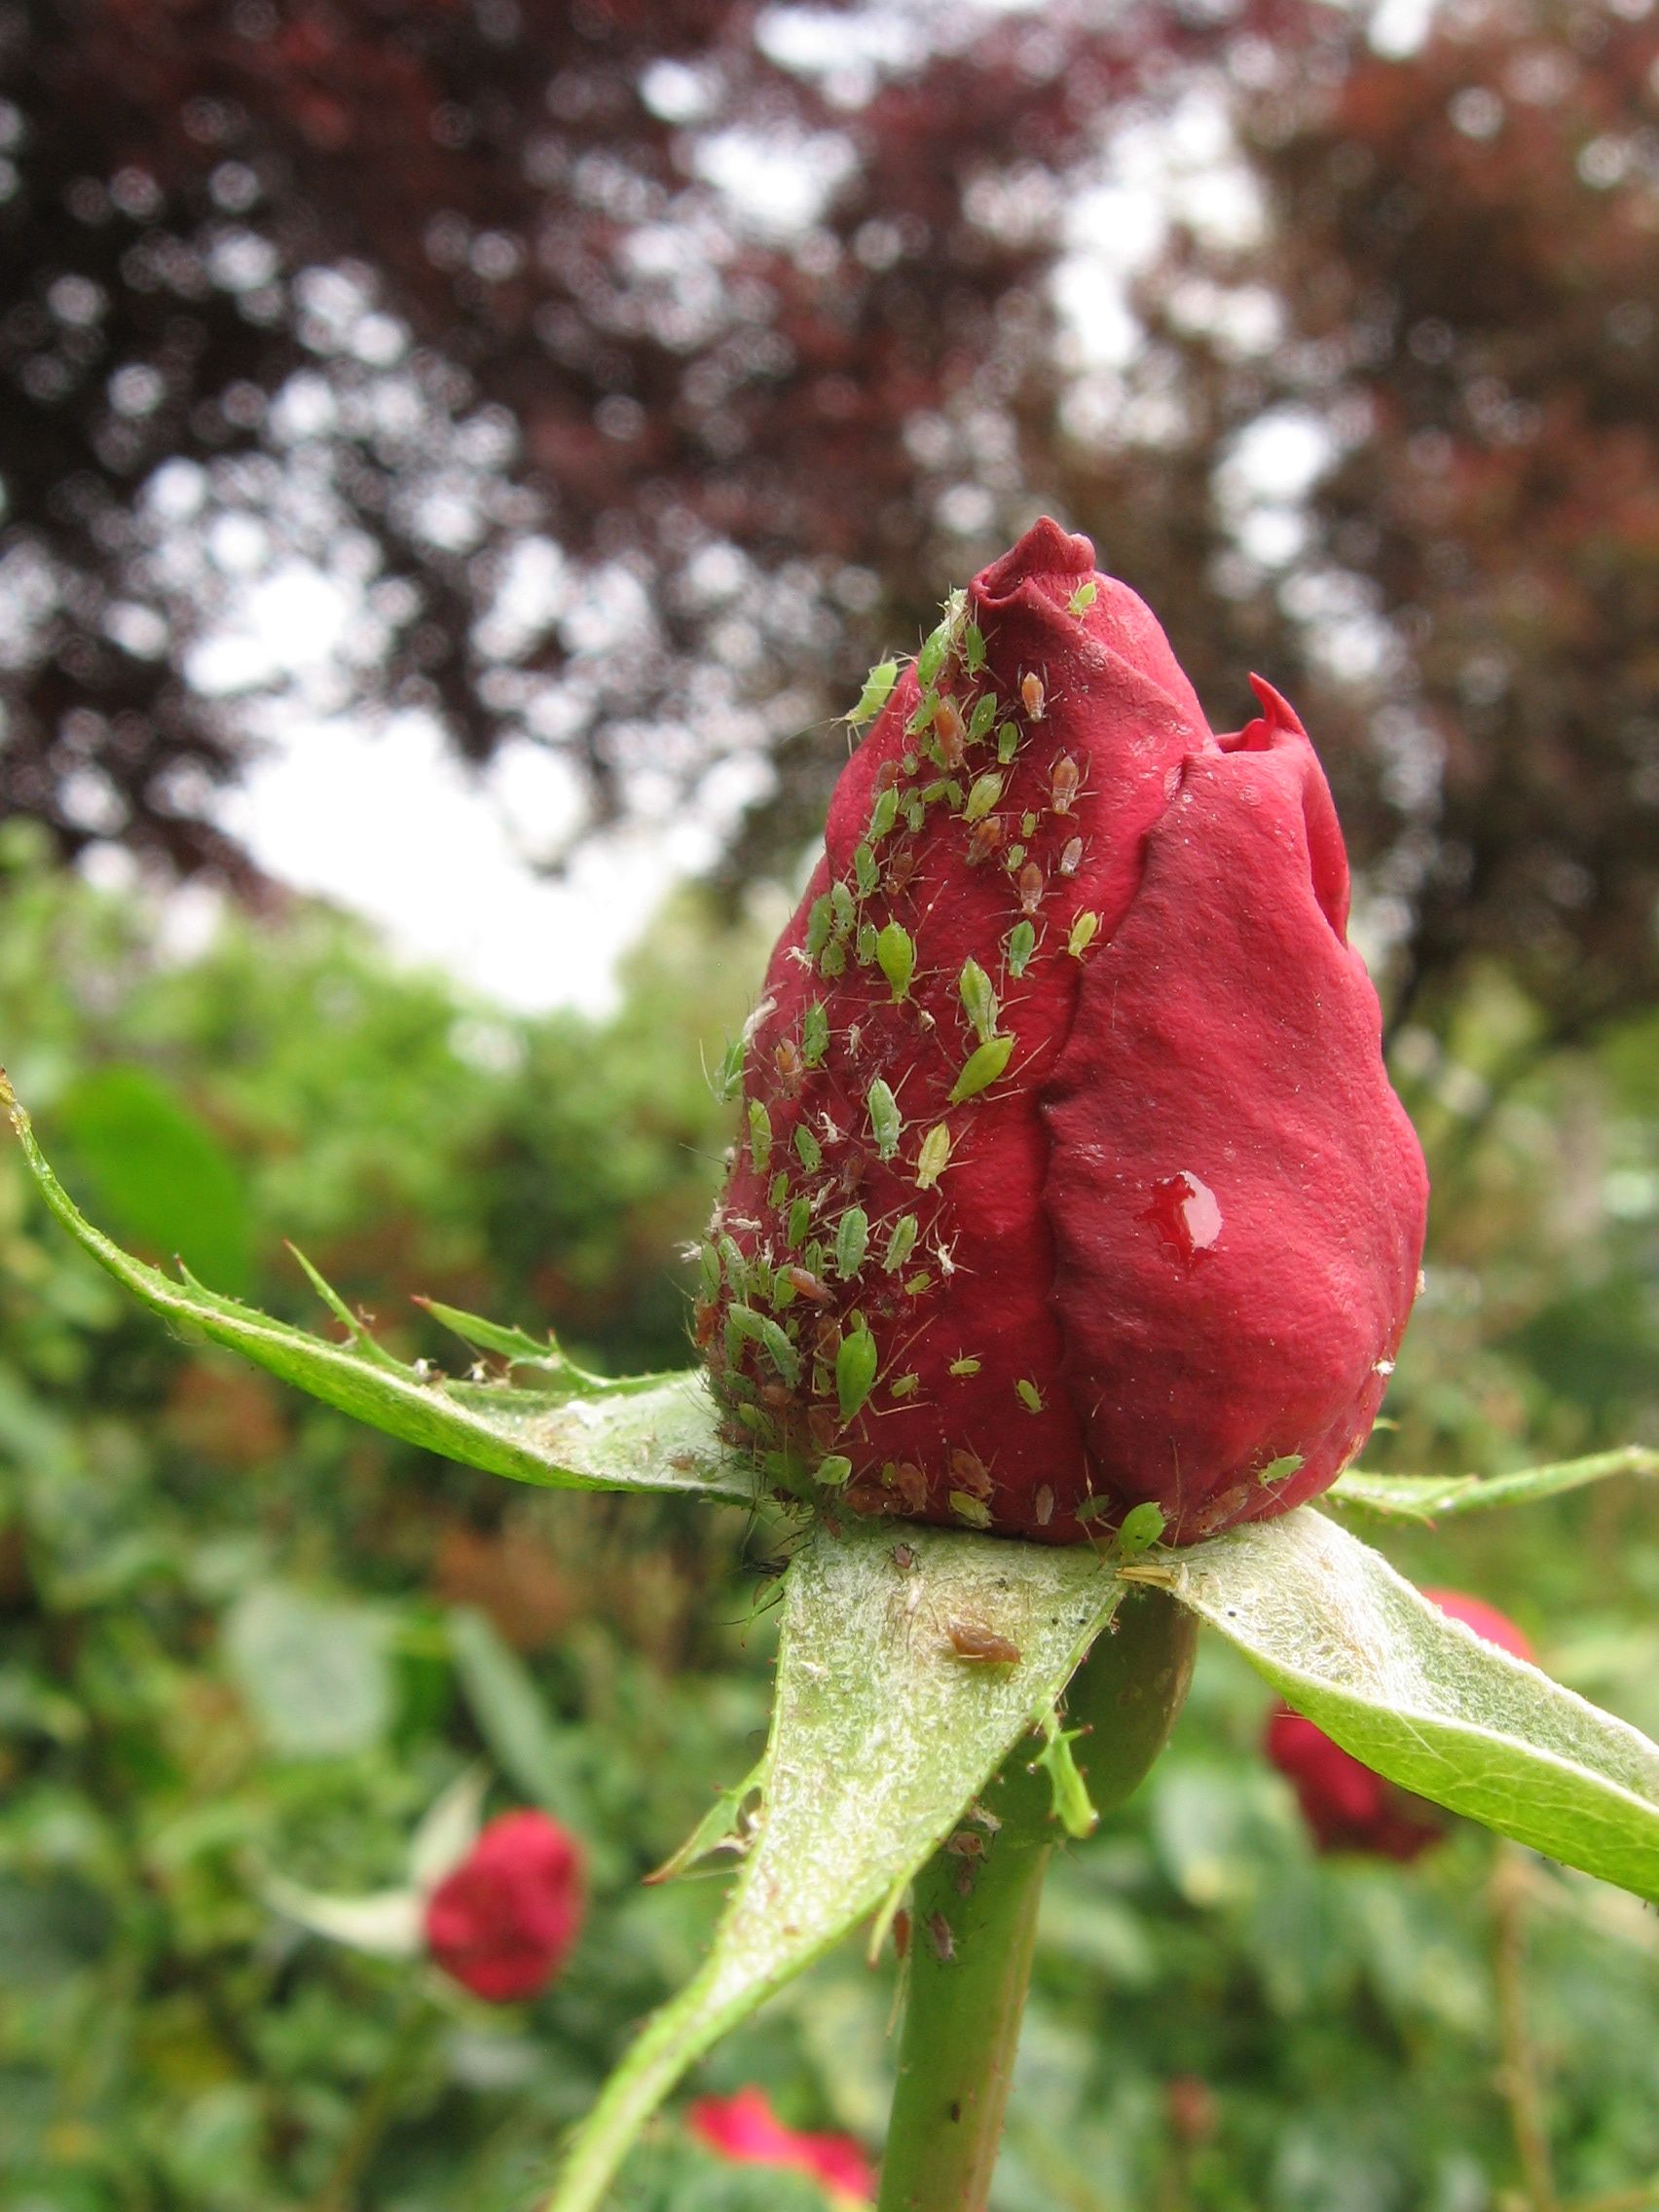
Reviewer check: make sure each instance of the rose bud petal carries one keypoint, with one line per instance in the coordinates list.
(745, 2129)
(1069, 1174)
(1345, 1805)
(504, 1920)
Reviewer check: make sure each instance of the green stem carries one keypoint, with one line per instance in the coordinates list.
(970, 1965)
(973, 1915)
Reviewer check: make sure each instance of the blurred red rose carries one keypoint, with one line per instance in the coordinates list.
(745, 2130)
(1069, 1170)
(1345, 1805)
(504, 1920)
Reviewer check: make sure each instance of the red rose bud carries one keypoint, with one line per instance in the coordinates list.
(504, 1920)
(1069, 1174)
(1345, 1805)
(745, 2129)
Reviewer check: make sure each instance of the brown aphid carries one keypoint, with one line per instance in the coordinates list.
(777, 1395)
(939, 1936)
(950, 730)
(852, 1172)
(1031, 695)
(964, 1881)
(903, 1558)
(1045, 1506)
(823, 1425)
(1071, 860)
(886, 776)
(911, 1485)
(964, 1844)
(1063, 784)
(899, 870)
(980, 1646)
(970, 1472)
(827, 1339)
(986, 838)
(808, 1285)
(1030, 888)
(705, 1317)
(902, 1933)
(792, 1068)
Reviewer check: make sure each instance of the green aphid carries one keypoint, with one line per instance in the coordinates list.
(865, 873)
(852, 1241)
(759, 1135)
(757, 1423)
(963, 1367)
(1084, 932)
(1278, 1470)
(855, 1372)
(984, 715)
(1093, 1508)
(865, 950)
(905, 1386)
(1030, 1397)
(1022, 944)
(915, 814)
(973, 1510)
(818, 916)
(761, 1278)
(808, 1151)
(1143, 1526)
(736, 1267)
(877, 685)
(727, 1083)
(799, 1222)
(987, 792)
(708, 1264)
(901, 1243)
(765, 1332)
(934, 1157)
(981, 1069)
(832, 960)
(1014, 859)
(916, 1285)
(834, 1470)
(932, 792)
(1028, 826)
(843, 909)
(812, 1259)
(1083, 599)
(784, 1292)
(973, 649)
(896, 951)
(814, 1034)
(886, 1123)
(778, 1190)
(883, 815)
(978, 1000)
(1008, 742)
(923, 717)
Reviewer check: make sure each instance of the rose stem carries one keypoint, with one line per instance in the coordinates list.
(974, 1919)
(1518, 2074)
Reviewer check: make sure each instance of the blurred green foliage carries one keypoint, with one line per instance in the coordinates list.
(240, 1635)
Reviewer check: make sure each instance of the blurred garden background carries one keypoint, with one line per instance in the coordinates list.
(532, 419)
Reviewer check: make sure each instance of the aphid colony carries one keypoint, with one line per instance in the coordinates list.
(809, 1300)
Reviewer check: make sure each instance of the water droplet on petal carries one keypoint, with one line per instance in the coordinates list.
(1185, 1214)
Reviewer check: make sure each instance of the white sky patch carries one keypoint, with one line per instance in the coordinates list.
(392, 827)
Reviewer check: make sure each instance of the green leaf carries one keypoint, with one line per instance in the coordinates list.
(1421, 1699)
(162, 1174)
(649, 1432)
(540, 1758)
(1443, 1498)
(880, 1736)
